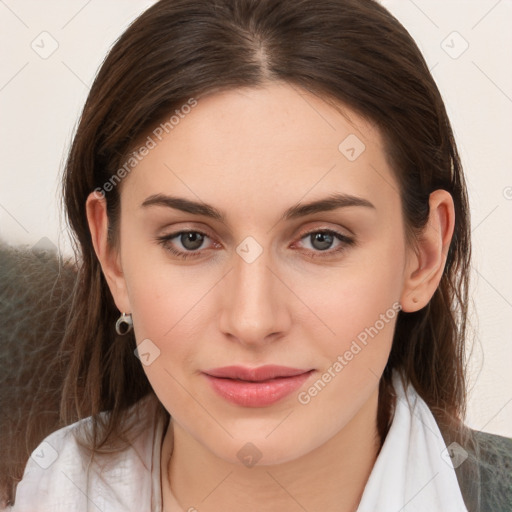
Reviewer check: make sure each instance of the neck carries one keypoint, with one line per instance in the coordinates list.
(330, 478)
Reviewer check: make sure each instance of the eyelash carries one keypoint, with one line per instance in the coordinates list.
(346, 242)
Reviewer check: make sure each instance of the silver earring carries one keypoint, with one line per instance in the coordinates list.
(125, 318)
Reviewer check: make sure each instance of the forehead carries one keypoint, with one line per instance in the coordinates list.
(277, 141)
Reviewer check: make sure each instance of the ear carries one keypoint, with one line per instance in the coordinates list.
(426, 262)
(109, 258)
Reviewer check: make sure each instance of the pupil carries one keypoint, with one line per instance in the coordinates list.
(325, 240)
(191, 241)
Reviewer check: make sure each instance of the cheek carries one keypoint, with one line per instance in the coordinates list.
(168, 306)
(165, 296)
(359, 305)
(360, 309)
(169, 319)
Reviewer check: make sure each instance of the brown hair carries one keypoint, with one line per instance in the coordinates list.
(349, 52)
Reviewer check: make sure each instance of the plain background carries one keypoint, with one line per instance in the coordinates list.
(467, 45)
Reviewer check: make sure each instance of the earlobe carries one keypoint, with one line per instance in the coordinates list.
(425, 270)
(96, 209)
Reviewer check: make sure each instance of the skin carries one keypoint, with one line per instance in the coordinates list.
(253, 153)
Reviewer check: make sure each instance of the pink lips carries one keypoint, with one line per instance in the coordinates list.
(256, 387)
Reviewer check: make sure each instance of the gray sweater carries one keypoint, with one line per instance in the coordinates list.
(485, 477)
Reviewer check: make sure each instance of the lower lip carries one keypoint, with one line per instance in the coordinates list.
(257, 394)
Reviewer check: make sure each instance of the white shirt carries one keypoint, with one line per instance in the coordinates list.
(412, 471)
(59, 477)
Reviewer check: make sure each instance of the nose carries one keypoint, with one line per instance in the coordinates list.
(255, 301)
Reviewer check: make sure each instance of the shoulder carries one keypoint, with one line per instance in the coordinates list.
(53, 474)
(494, 454)
(494, 445)
(485, 475)
(61, 476)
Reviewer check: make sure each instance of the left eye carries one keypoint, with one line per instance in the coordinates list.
(322, 240)
(191, 241)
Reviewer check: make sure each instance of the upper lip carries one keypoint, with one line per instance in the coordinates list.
(255, 374)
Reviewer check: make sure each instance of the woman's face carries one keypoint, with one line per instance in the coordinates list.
(263, 283)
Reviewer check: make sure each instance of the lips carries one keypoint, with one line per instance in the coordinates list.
(256, 387)
(260, 374)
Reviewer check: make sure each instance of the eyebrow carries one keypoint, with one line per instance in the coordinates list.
(332, 202)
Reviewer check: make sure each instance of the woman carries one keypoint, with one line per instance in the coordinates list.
(272, 223)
